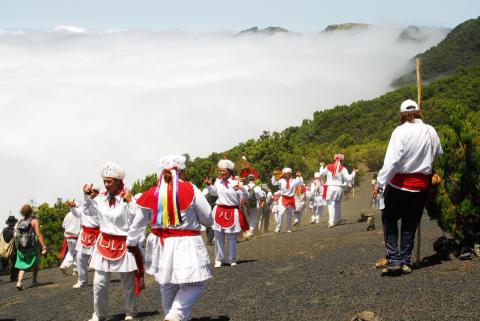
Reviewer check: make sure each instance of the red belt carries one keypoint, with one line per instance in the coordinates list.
(164, 233)
(412, 181)
(288, 201)
(89, 235)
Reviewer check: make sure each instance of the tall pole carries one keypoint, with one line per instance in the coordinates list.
(419, 102)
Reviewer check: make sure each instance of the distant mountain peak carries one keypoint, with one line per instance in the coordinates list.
(346, 26)
(269, 30)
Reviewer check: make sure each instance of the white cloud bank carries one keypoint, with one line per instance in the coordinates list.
(71, 100)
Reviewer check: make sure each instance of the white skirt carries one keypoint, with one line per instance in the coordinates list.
(80, 248)
(126, 264)
(182, 259)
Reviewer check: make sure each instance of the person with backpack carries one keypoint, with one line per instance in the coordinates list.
(254, 203)
(7, 247)
(267, 207)
(28, 237)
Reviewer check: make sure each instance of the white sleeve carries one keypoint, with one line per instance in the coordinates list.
(348, 177)
(202, 209)
(212, 189)
(76, 212)
(393, 155)
(323, 171)
(90, 206)
(138, 226)
(437, 149)
(275, 182)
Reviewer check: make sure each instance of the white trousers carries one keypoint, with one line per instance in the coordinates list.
(284, 212)
(178, 299)
(298, 215)
(82, 266)
(253, 218)
(334, 212)
(101, 284)
(220, 247)
(317, 212)
(71, 256)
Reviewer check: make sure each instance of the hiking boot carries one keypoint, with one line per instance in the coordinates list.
(19, 286)
(406, 269)
(35, 283)
(392, 270)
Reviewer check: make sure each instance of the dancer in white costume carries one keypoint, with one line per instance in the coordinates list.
(300, 204)
(254, 204)
(317, 203)
(175, 254)
(286, 203)
(114, 210)
(333, 190)
(71, 226)
(229, 219)
(88, 237)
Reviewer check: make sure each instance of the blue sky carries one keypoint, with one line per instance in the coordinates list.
(209, 15)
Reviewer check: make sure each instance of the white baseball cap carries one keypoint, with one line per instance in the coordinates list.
(408, 105)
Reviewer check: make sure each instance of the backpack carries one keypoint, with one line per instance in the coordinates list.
(252, 197)
(25, 236)
(6, 249)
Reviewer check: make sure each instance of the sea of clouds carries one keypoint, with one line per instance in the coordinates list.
(71, 99)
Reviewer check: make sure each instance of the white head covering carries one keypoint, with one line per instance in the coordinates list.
(172, 162)
(96, 187)
(226, 164)
(113, 170)
(408, 105)
(316, 175)
(286, 170)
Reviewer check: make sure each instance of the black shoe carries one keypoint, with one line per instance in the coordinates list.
(392, 270)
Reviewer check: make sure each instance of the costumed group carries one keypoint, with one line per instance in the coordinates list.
(107, 231)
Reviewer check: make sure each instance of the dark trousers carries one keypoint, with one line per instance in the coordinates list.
(407, 207)
(13, 269)
(265, 219)
(210, 235)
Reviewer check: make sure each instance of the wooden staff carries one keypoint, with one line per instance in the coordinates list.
(419, 102)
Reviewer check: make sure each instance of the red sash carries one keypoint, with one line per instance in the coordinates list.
(412, 182)
(225, 215)
(89, 236)
(64, 248)
(288, 201)
(112, 247)
(164, 233)
(324, 195)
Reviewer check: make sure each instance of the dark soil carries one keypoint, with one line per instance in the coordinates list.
(314, 273)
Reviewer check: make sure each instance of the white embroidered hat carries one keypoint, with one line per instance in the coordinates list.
(113, 170)
(408, 105)
(226, 164)
(172, 162)
(316, 175)
(286, 170)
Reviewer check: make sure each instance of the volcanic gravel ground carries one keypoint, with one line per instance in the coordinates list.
(313, 273)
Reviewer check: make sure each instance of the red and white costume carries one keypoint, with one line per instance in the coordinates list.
(86, 242)
(110, 253)
(175, 252)
(71, 225)
(333, 190)
(286, 204)
(229, 219)
(316, 198)
(300, 203)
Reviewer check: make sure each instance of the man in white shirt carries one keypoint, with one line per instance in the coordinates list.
(405, 180)
(254, 202)
(71, 225)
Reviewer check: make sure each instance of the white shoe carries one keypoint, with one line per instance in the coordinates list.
(96, 318)
(78, 285)
(63, 269)
(172, 317)
(233, 264)
(277, 230)
(128, 318)
(74, 273)
(289, 231)
(218, 264)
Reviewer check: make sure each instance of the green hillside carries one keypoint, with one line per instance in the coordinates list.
(461, 48)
